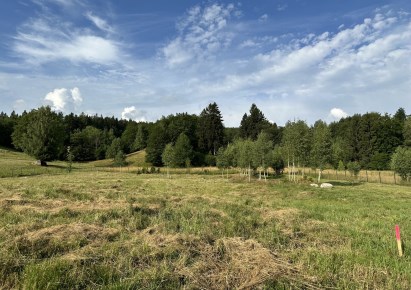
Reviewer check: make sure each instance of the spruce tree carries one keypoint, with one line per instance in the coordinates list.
(251, 125)
(155, 144)
(210, 129)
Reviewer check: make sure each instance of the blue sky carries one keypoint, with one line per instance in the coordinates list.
(300, 59)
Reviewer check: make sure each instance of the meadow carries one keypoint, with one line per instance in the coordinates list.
(98, 229)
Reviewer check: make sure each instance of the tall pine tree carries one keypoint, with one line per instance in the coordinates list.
(251, 125)
(210, 129)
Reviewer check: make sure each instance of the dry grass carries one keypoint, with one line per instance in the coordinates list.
(236, 263)
(127, 231)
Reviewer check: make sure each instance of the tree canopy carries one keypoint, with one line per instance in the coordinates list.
(40, 134)
(370, 139)
(251, 125)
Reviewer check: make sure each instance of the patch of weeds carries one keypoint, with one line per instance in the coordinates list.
(50, 274)
(64, 193)
(242, 221)
(29, 193)
(159, 277)
(137, 221)
(67, 213)
(109, 215)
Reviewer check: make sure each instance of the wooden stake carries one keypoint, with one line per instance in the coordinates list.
(398, 236)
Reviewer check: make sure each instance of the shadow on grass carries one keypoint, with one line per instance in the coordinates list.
(345, 183)
(55, 166)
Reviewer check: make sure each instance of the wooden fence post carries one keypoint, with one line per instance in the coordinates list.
(379, 175)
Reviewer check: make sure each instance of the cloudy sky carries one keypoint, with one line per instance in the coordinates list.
(296, 59)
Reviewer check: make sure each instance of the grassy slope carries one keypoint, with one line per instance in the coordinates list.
(119, 230)
(14, 163)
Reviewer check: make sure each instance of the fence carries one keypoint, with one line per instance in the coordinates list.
(383, 177)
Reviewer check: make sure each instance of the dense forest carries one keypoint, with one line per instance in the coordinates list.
(367, 141)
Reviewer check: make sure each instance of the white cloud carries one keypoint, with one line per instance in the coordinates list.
(338, 114)
(99, 22)
(64, 100)
(263, 18)
(131, 113)
(202, 32)
(359, 68)
(48, 38)
(282, 7)
(19, 105)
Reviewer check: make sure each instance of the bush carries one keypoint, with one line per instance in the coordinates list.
(354, 168)
(401, 162)
(120, 159)
(210, 160)
(341, 166)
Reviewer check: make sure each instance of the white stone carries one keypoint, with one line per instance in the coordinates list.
(314, 185)
(326, 185)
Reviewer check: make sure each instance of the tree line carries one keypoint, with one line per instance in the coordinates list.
(368, 141)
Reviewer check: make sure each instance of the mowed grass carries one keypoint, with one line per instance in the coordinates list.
(118, 230)
(17, 164)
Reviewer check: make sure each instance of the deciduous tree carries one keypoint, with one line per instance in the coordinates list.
(40, 133)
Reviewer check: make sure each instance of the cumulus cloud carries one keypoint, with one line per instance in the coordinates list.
(338, 113)
(64, 100)
(131, 113)
(201, 32)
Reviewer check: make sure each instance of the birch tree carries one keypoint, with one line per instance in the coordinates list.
(262, 153)
(321, 146)
(168, 157)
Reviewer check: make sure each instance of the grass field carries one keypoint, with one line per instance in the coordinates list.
(119, 230)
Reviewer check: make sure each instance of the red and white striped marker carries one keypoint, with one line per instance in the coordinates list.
(398, 236)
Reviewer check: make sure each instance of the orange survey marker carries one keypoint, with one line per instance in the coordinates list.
(398, 236)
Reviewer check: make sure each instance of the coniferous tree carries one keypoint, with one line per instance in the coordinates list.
(210, 129)
(114, 148)
(140, 141)
(6, 130)
(156, 143)
(129, 136)
(407, 132)
(251, 125)
(400, 115)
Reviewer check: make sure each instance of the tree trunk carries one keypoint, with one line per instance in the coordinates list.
(249, 172)
(288, 167)
(319, 175)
